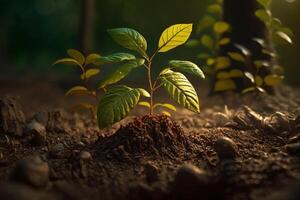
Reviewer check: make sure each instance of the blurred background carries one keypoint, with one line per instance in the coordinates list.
(35, 33)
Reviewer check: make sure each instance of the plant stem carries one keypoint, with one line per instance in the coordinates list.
(150, 87)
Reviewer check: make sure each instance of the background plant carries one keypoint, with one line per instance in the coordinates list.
(87, 68)
(119, 100)
(238, 66)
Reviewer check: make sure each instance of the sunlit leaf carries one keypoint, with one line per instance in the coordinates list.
(174, 36)
(260, 41)
(287, 31)
(120, 72)
(269, 53)
(281, 38)
(180, 89)
(69, 61)
(215, 9)
(186, 66)
(144, 104)
(235, 73)
(237, 56)
(249, 89)
(221, 27)
(192, 43)
(222, 62)
(275, 23)
(91, 59)
(206, 22)
(273, 80)
(130, 39)
(258, 80)
(261, 63)
(143, 92)
(90, 73)
(224, 41)
(77, 55)
(265, 3)
(224, 85)
(114, 58)
(210, 61)
(116, 104)
(264, 15)
(203, 55)
(245, 51)
(249, 76)
(223, 75)
(165, 105)
(77, 90)
(207, 41)
(166, 113)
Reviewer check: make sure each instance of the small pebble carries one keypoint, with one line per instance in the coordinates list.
(226, 149)
(85, 156)
(293, 149)
(31, 171)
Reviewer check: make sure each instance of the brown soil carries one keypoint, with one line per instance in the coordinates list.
(142, 157)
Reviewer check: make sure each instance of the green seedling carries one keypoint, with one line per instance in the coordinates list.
(119, 100)
(87, 70)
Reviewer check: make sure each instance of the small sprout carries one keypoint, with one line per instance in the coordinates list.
(118, 101)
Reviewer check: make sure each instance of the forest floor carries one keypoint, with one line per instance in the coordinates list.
(238, 147)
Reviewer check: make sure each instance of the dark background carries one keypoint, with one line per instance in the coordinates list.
(34, 33)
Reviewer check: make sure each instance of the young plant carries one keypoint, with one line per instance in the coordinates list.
(280, 35)
(119, 100)
(87, 71)
(213, 36)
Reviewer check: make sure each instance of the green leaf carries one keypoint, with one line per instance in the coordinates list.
(144, 92)
(114, 58)
(281, 38)
(192, 43)
(215, 9)
(203, 56)
(237, 57)
(222, 62)
(265, 3)
(258, 80)
(275, 23)
(76, 55)
(166, 113)
(224, 41)
(120, 72)
(250, 76)
(90, 73)
(224, 85)
(207, 41)
(273, 80)
(174, 36)
(245, 51)
(287, 31)
(264, 15)
(130, 39)
(221, 27)
(116, 104)
(180, 89)
(91, 59)
(78, 90)
(165, 105)
(69, 61)
(206, 22)
(144, 103)
(235, 73)
(186, 66)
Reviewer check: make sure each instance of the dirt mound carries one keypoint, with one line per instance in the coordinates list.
(146, 136)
